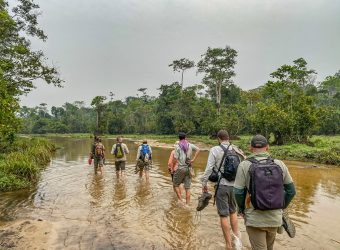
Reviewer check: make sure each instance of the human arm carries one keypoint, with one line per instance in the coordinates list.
(288, 185)
(171, 162)
(126, 150)
(240, 188)
(289, 193)
(138, 153)
(197, 150)
(240, 197)
(113, 149)
(91, 155)
(211, 163)
(150, 157)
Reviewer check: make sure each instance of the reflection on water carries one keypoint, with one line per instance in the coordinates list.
(100, 212)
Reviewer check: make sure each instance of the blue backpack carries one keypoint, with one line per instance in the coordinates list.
(145, 154)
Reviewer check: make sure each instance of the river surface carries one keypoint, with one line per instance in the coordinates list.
(101, 212)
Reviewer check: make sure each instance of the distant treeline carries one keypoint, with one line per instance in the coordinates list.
(291, 106)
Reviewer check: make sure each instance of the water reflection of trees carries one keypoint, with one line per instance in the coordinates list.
(307, 181)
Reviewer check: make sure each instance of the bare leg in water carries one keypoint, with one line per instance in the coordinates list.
(178, 193)
(226, 228)
(147, 175)
(187, 196)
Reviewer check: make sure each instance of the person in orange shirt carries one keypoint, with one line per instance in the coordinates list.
(173, 164)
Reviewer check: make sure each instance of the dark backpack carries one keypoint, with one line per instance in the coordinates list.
(145, 154)
(118, 152)
(230, 163)
(266, 184)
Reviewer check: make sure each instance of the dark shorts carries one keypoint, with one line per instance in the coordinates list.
(98, 162)
(120, 165)
(225, 200)
(182, 175)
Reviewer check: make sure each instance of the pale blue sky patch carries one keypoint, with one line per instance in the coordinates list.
(120, 46)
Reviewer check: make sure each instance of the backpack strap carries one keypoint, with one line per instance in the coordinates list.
(219, 169)
(224, 155)
(252, 160)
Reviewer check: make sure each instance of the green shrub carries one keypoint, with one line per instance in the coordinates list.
(20, 166)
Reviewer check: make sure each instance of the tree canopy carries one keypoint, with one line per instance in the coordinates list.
(20, 66)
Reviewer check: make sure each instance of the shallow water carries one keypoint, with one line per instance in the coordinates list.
(101, 212)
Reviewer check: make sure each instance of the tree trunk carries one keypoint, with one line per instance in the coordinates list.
(97, 121)
(218, 98)
(278, 138)
(182, 79)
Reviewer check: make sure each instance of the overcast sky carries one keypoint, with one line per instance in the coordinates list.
(120, 46)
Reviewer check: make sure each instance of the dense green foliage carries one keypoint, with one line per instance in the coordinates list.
(20, 66)
(290, 107)
(20, 164)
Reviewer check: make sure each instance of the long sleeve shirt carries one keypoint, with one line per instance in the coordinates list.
(214, 161)
(125, 151)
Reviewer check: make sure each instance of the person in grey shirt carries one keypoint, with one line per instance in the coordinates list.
(120, 150)
(184, 159)
(224, 195)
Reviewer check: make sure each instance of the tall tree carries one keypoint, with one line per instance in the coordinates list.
(98, 104)
(20, 66)
(218, 66)
(182, 65)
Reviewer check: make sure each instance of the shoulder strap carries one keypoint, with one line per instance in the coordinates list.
(252, 160)
(224, 156)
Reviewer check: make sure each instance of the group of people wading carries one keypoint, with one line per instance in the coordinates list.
(255, 187)
(119, 151)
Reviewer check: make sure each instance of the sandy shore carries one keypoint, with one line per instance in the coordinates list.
(27, 234)
(157, 144)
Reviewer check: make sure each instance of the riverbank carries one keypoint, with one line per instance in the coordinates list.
(22, 162)
(320, 149)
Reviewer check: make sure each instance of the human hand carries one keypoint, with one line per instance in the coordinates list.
(205, 189)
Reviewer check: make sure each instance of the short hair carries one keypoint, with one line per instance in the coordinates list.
(99, 140)
(119, 139)
(145, 141)
(182, 135)
(223, 135)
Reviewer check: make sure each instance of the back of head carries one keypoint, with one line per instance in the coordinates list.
(182, 136)
(99, 140)
(259, 142)
(145, 141)
(119, 139)
(223, 135)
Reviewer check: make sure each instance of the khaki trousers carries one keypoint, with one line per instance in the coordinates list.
(262, 238)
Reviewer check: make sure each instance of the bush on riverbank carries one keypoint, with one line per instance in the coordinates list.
(22, 162)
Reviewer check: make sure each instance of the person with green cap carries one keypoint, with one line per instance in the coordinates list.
(263, 187)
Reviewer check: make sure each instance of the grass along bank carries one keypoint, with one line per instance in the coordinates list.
(320, 149)
(21, 164)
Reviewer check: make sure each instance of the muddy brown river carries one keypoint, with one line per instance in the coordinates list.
(101, 212)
